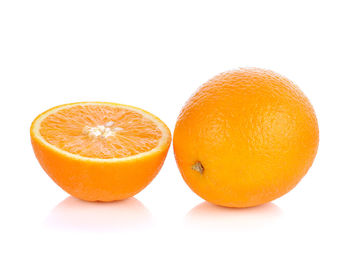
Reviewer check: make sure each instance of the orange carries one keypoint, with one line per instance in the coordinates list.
(246, 137)
(100, 151)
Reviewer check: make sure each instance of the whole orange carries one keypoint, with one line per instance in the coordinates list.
(246, 137)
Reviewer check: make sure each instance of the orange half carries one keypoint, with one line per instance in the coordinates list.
(99, 151)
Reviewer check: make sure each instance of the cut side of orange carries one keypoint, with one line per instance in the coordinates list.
(85, 136)
(100, 130)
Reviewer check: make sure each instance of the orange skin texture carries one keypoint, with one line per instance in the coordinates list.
(254, 133)
(95, 180)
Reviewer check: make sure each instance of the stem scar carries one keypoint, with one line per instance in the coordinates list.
(197, 166)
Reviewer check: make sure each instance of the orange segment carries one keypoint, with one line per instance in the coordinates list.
(100, 151)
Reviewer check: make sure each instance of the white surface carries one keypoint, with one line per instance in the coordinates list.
(154, 54)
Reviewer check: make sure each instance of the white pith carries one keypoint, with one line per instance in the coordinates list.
(103, 131)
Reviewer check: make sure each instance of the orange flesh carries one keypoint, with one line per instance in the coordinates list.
(100, 131)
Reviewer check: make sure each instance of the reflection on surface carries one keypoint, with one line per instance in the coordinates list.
(211, 217)
(74, 214)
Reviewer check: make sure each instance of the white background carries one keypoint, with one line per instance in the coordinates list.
(154, 54)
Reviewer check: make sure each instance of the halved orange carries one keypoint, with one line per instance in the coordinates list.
(98, 151)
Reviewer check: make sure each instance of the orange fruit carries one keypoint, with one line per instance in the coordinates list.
(246, 137)
(100, 151)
